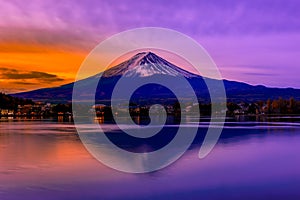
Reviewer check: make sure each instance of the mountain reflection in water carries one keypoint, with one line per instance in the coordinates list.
(253, 159)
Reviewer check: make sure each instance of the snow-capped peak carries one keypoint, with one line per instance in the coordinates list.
(146, 64)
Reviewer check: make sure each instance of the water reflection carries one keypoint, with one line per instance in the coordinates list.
(45, 159)
(99, 120)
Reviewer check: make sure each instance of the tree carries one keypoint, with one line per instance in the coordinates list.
(292, 106)
(269, 106)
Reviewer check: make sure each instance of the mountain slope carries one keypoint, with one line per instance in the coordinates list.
(145, 65)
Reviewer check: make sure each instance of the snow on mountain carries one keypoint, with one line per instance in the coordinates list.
(146, 64)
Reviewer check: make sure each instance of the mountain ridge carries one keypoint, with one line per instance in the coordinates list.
(146, 64)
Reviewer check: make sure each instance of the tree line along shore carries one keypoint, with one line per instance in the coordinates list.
(13, 106)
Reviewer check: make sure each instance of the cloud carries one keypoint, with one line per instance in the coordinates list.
(259, 74)
(3, 69)
(23, 83)
(42, 77)
(108, 15)
(82, 23)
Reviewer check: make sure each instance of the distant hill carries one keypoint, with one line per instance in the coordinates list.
(145, 65)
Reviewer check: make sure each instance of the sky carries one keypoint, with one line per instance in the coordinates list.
(43, 43)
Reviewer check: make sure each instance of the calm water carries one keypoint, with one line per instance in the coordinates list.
(46, 160)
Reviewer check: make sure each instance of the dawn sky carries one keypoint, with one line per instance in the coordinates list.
(42, 43)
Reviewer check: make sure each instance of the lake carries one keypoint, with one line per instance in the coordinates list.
(254, 158)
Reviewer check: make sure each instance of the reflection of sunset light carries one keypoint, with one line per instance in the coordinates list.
(34, 156)
(99, 120)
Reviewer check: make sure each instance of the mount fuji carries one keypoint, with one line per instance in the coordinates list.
(146, 65)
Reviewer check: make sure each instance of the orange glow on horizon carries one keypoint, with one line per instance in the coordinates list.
(25, 58)
(58, 61)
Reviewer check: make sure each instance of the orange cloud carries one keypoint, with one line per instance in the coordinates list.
(36, 66)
